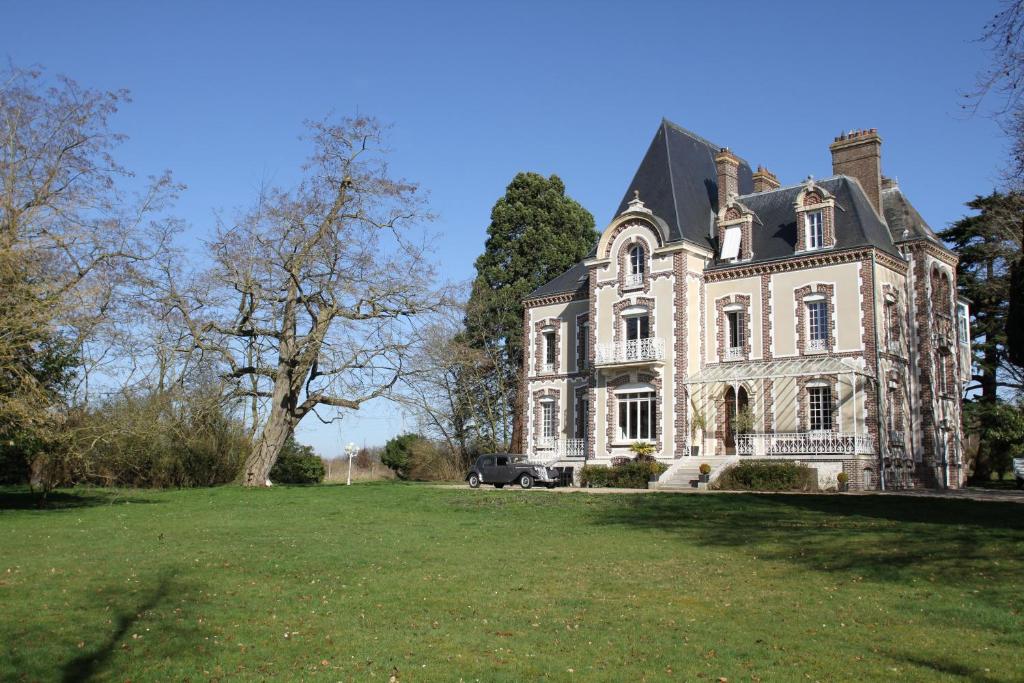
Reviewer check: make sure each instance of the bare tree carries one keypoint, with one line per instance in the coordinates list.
(312, 294)
(71, 238)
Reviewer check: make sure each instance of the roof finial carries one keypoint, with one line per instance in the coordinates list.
(635, 204)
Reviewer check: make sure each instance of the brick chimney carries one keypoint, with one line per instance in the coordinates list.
(728, 166)
(765, 180)
(858, 154)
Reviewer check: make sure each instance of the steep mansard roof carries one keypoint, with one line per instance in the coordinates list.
(678, 181)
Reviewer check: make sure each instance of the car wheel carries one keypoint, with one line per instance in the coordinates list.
(499, 486)
(526, 481)
(474, 480)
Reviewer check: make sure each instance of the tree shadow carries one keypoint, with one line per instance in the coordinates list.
(87, 665)
(23, 498)
(885, 538)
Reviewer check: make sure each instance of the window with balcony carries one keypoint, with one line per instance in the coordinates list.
(550, 351)
(547, 420)
(817, 325)
(582, 413)
(736, 334)
(820, 408)
(815, 230)
(637, 416)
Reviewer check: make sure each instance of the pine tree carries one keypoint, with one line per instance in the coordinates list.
(536, 233)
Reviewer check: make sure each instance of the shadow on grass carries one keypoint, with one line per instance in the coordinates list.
(885, 538)
(22, 498)
(165, 589)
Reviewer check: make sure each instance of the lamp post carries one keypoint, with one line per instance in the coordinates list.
(350, 450)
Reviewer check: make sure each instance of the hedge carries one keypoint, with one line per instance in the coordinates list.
(768, 475)
(633, 474)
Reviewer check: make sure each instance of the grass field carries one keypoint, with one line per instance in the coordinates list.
(431, 583)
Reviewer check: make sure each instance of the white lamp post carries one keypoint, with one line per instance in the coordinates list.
(350, 449)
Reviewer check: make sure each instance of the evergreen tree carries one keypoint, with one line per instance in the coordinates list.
(536, 233)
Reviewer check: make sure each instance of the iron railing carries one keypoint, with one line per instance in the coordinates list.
(633, 350)
(803, 443)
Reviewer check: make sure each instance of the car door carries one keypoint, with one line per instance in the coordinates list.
(503, 470)
(486, 467)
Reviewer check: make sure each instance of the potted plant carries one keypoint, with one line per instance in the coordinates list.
(643, 449)
(843, 480)
(705, 473)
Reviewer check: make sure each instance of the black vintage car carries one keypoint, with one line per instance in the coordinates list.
(505, 468)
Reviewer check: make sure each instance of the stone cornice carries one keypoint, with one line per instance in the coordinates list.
(801, 262)
(554, 299)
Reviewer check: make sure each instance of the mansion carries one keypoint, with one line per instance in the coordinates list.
(723, 316)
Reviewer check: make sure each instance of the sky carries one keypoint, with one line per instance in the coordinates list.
(477, 91)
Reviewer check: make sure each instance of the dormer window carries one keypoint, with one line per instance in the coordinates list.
(815, 229)
(731, 242)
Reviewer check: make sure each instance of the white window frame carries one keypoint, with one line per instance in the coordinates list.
(819, 408)
(817, 324)
(547, 419)
(736, 329)
(550, 350)
(633, 424)
(814, 226)
(637, 263)
(627, 319)
(731, 242)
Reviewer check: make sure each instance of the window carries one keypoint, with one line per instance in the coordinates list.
(731, 242)
(817, 325)
(963, 331)
(636, 261)
(502, 461)
(547, 420)
(820, 400)
(637, 416)
(550, 349)
(583, 345)
(638, 327)
(582, 411)
(737, 329)
(815, 230)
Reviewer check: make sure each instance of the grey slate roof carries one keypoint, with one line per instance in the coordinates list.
(678, 181)
(774, 233)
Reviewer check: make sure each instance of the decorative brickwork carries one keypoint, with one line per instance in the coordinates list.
(582, 339)
(611, 414)
(681, 354)
(803, 332)
(592, 357)
(539, 345)
(769, 405)
(869, 341)
(767, 320)
(737, 215)
(722, 332)
(580, 419)
(806, 261)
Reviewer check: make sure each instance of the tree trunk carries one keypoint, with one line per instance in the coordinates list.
(518, 445)
(266, 449)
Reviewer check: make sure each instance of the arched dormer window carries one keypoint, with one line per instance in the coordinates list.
(636, 265)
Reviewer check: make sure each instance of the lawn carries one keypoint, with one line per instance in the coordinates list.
(431, 583)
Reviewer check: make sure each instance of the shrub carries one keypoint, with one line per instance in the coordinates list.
(843, 478)
(434, 461)
(768, 475)
(705, 468)
(396, 453)
(594, 475)
(297, 464)
(643, 449)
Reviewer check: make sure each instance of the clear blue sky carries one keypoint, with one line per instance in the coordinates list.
(477, 91)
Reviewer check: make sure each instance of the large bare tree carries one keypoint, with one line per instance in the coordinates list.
(312, 294)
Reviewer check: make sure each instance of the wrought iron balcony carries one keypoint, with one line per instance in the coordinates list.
(634, 280)
(772, 445)
(561, 449)
(632, 351)
(818, 345)
(734, 353)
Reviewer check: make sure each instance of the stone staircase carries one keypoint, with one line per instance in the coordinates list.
(684, 472)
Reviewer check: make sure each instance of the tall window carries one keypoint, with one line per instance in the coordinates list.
(637, 416)
(582, 413)
(638, 327)
(547, 419)
(820, 400)
(583, 345)
(817, 324)
(737, 329)
(636, 261)
(550, 349)
(815, 230)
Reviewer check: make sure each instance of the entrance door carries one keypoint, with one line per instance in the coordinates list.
(731, 405)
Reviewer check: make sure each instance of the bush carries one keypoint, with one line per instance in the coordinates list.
(843, 479)
(768, 475)
(705, 468)
(434, 461)
(643, 449)
(297, 464)
(396, 453)
(632, 474)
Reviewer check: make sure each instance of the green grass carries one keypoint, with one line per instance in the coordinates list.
(426, 583)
